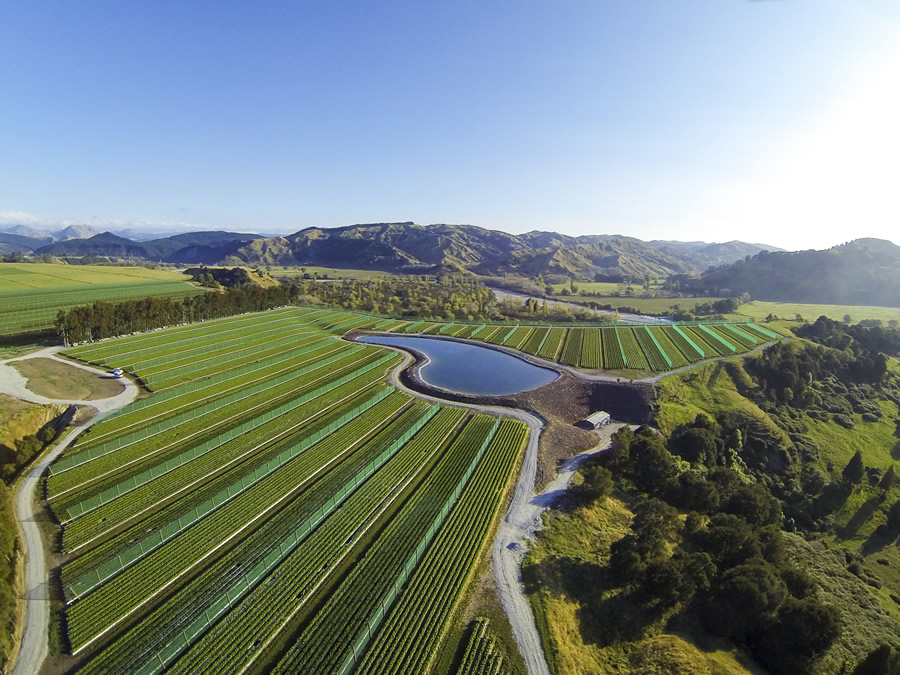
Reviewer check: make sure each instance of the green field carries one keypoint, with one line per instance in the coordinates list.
(272, 502)
(759, 310)
(31, 294)
(24, 276)
(324, 272)
(642, 305)
(640, 347)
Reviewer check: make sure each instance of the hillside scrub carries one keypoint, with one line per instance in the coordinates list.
(758, 521)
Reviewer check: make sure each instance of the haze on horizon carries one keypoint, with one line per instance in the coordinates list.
(769, 122)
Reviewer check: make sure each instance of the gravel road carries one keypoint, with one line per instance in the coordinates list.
(34, 645)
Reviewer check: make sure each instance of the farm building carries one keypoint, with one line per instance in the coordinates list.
(595, 420)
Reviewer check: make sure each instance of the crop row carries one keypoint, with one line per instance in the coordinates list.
(571, 352)
(743, 338)
(144, 412)
(536, 340)
(106, 560)
(634, 357)
(665, 339)
(550, 348)
(482, 656)
(501, 335)
(304, 565)
(119, 597)
(411, 633)
(591, 349)
(325, 643)
(95, 446)
(714, 339)
(656, 357)
(100, 520)
(700, 339)
(100, 352)
(255, 619)
(162, 440)
(131, 357)
(177, 356)
(613, 358)
(518, 337)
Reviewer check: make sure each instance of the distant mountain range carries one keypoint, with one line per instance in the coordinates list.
(187, 248)
(403, 247)
(866, 271)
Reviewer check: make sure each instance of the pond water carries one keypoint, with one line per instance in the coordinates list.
(470, 369)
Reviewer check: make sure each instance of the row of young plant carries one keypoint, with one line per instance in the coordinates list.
(103, 478)
(134, 359)
(93, 447)
(340, 629)
(162, 405)
(482, 655)
(298, 562)
(266, 612)
(411, 633)
(89, 571)
(124, 594)
(108, 351)
(97, 522)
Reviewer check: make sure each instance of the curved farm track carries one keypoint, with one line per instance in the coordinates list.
(34, 644)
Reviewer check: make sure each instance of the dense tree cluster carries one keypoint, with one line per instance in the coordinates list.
(442, 298)
(862, 339)
(726, 562)
(104, 319)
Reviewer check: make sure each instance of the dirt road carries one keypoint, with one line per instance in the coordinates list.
(34, 645)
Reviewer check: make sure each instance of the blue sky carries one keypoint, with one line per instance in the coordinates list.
(679, 119)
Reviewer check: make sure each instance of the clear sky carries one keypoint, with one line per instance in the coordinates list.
(775, 122)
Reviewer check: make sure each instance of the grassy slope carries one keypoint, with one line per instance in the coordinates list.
(573, 639)
(759, 310)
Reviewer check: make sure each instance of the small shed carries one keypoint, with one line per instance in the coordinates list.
(595, 420)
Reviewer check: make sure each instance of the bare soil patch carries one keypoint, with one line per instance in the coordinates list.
(54, 379)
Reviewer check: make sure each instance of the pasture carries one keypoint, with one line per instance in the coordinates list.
(31, 294)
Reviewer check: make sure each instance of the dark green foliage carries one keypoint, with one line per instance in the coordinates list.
(884, 660)
(893, 517)
(692, 492)
(728, 539)
(853, 472)
(862, 272)
(754, 504)
(9, 550)
(801, 630)
(642, 457)
(103, 319)
(745, 597)
(597, 483)
(888, 480)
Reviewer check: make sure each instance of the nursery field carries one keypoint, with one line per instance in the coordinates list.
(273, 502)
(31, 294)
(650, 347)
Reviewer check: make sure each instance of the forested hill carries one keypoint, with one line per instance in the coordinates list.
(408, 247)
(862, 272)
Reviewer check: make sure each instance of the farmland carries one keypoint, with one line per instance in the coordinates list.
(31, 294)
(640, 347)
(273, 501)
